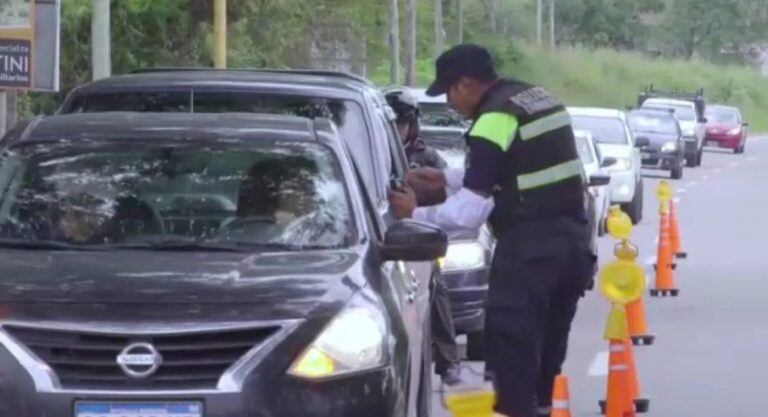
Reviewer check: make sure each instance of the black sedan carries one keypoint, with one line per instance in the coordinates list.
(659, 136)
(205, 266)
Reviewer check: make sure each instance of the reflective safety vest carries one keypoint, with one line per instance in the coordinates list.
(542, 176)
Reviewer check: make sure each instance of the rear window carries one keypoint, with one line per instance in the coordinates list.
(439, 114)
(647, 123)
(584, 146)
(683, 112)
(723, 116)
(604, 129)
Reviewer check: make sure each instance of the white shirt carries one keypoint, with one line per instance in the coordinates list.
(463, 209)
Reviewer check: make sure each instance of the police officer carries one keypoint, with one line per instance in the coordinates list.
(524, 176)
(406, 107)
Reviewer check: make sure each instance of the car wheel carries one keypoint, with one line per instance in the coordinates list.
(424, 402)
(699, 157)
(476, 346)
(740, 149)
(677, 172)
(635, 208)
(690, 161)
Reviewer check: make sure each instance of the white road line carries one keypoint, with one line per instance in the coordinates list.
(676, 200)
(704, 177)
(682, 191)
(599, 365)
(751, 159)
(717, 170)
(692, 184)
(734, 164)
(650, 260)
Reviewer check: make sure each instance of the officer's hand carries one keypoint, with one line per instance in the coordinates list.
(402, 203)
(426, 180)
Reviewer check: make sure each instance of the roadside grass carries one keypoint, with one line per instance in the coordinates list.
(607, 78)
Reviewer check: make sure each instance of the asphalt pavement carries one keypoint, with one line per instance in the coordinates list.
(707, 359)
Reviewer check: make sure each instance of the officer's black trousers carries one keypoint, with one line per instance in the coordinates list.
(446, 351)
(535, 285)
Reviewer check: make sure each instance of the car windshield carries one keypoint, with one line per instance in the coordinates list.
(604, 129)
(682, 112)
(646, 123)
(722, 116)
(439, 114)
(584, 146)
(277, 194)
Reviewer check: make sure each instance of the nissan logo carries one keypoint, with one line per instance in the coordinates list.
(139, 360)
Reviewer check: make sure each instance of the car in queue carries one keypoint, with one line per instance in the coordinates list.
(434, 111)
(205, 265)
(665, 149)
(594, 170)
(726, 128)
(610, 130)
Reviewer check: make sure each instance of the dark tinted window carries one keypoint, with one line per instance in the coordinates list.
(650, 123)
(439, 114)
(603, 129)
(132, 102)
(110, 194)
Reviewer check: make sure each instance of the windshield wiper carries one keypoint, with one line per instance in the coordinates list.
(46, 245)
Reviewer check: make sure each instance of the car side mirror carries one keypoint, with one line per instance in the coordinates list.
(608, 161)
(597, 180)
(642, 142)
(745, 124)
(409, 240)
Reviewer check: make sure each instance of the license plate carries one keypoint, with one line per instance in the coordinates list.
(132, 409)
(713, 143)
(645, 155)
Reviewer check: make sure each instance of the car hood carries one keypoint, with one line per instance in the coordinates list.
(274, 285)
(615, 150)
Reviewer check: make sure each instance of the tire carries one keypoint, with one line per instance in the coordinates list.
(699, 157)
(690, 161)
(424, 402)
(677, 172)
(476, 346)
(739, 150)
(635, 208)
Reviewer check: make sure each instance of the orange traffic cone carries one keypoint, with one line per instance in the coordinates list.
(636, 324)
(641, 404)
(619, 401)
(561, 402)
(674, 232)
(665, 281)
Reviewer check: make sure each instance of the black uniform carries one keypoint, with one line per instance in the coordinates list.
(522, 151)
(443, 332)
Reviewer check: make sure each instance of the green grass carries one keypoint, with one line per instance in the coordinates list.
(606, 78)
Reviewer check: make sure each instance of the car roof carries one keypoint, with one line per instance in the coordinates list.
(324, 83)
(668, 101)
(596, 112)
(655, 112)
(129, 125)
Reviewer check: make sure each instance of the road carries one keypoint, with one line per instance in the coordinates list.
(707, 357)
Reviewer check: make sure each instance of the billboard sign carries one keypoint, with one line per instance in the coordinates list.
(29, 44)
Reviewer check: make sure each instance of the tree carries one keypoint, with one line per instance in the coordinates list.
(410, 44)
(394, 42)
(439, 28)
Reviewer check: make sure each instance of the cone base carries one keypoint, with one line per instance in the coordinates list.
(681, 255)
(642, 405)
(643, 340)
(664, 293)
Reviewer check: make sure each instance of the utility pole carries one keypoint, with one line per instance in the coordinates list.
(552, 41)
(439, 29)
(460, 18)
(394, 43)
(410, 43)
(539, 16)
(101, 40)
(220, 34)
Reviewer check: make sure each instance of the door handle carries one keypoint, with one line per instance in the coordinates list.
(414, 284)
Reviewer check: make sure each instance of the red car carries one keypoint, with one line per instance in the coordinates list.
(726, 128)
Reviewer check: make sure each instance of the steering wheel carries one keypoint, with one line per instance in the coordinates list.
(241, 223)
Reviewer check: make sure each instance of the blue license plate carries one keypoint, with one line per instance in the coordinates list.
(135, 409)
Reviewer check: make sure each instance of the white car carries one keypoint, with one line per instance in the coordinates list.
(693, 127)
(594, 168)
(610, 129)
(435, 111)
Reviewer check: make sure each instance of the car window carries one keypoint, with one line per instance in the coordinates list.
(277, 193)
(683, 112)
(139, 101)
(439, 114)
(347, 114)
(604, 129)
(723, 116)
(584, 146)
(644, 123)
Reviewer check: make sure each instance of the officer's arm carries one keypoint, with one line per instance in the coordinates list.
(470, 207)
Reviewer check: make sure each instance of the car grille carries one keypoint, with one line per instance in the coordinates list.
(194, 360)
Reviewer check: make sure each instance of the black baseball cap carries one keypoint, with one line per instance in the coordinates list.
(465, 60)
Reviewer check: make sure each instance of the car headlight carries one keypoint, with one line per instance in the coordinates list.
(735, 131)
(669, 147)
(355, 340)
(622, 164)
(462, 256)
